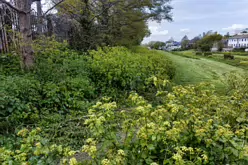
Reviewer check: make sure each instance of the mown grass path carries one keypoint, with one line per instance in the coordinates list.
(193, 71)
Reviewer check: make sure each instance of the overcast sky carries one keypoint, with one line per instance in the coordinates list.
(193, 17)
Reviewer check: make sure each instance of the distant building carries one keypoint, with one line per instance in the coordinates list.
(172, 45)
(238, 41)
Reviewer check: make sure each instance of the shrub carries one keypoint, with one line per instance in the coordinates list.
(244, 63)
(241, 53)
(34, 149)
(238, 49)
(10, 64)
(58, 83)
(227, 53)
(226, 56)
(191, 126)
(118, 68)
(198, 53)
(208, 54)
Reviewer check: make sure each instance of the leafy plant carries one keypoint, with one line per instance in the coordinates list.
(191, 126)
(33, 149)
(118, 68)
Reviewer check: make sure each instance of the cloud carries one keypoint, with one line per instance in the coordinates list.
(235, 27)
(185, 30)
(157, 30)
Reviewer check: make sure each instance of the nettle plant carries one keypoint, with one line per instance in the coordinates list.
(191, 126)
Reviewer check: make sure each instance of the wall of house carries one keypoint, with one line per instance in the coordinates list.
(238, 43)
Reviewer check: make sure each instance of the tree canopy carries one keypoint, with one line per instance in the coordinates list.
(112, 22)
(206, 43)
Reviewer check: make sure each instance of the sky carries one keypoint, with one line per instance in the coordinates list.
(193, 17)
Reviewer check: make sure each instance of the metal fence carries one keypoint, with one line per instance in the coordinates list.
(8, 28)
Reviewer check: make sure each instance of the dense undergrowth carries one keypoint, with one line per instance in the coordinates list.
(58, 91)
(116, 106)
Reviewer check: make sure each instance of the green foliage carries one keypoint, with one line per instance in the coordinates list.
(207, 54)
(198, 53)
(191, 126)
(156, 44)
(112, 23)
(206, 43)
(228, 56)
(239, 50)
(34, 149)
(124, 70)
(58, 83)
(185, 44)
(241, 53)
(10, 64)
(185, 54)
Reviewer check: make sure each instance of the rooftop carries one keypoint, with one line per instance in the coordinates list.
(239, 36)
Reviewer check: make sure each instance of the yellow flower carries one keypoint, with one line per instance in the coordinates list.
(73, 161)
(105, 162)
(121, 153)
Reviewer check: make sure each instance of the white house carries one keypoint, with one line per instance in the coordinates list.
(238, 41)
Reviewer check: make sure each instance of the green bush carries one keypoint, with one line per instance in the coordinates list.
(207, 54)
(120, 69)
(228, 56)
(239, 49)
(10, 64)
(58, 83)
(191, 126)
(227, 53)
(244, 63)
(198, 53)
(34, 149)
(241, 53)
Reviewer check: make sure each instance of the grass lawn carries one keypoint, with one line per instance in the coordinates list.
(192, 71)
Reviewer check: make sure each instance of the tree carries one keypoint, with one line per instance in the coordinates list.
(185, 44)
(112, 22)
(23, 8)
(206, 43)
(227, 35)
(156, 44)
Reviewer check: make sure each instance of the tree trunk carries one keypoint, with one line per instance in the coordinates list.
(39, 15)
(26, 32)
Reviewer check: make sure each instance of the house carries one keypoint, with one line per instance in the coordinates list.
(172, 45)
(238, 41)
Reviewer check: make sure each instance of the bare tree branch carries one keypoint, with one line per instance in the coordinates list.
(55, 5)
(13, 7)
